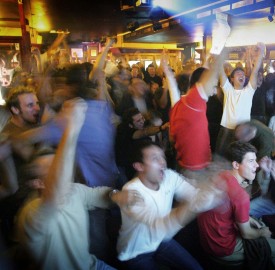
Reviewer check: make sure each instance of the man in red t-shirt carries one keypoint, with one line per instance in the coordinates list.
(188, 121)
(222, 229)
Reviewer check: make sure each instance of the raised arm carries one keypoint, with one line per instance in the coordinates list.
(209, 78)
(61, 173)
(260, 53)
(97, 74)
(171, 80)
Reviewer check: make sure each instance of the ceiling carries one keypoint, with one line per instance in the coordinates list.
(90, 20)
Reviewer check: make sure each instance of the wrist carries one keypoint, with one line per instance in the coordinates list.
(112, 193)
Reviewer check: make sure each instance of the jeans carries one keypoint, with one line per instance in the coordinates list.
(261, 206)
(103, 266)
(169, 253)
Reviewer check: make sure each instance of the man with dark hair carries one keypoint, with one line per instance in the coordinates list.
(150, 75)
(145, 238)
(24, 107)
(237, 100)
(223, 228)
(129, 132)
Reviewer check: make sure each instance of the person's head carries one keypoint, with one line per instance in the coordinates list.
(138, 87)
(23, 104)
(135, 71)
(151, 70)
(245, 132)
(38, 168)
(133, 118)
(153, 87)
(150, 163)
(243, 158)
(196, 75)
(237, 77)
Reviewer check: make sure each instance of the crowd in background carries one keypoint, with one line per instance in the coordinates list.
(82, 123)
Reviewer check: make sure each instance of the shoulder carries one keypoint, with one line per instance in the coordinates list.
(227, 86)
(249, 88)
(134, 183)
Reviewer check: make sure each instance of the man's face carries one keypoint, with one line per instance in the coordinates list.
(138, 121)
(153, 165)
(140, 87)
(29, 108)
(248, 166)
(151, 71)
(238, 79)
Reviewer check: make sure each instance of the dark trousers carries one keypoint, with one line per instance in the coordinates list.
(169, 253)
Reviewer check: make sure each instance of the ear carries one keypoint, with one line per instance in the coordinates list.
(138, 166)
(15, 110)
(235, 165)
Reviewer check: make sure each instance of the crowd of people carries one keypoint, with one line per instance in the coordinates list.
(103, 164)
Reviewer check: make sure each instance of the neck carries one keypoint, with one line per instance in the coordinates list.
(19, 122)
(237, 176)
(149, 184)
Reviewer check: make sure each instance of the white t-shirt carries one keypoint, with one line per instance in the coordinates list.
(236, 105)
(58, 237)
(146, 225)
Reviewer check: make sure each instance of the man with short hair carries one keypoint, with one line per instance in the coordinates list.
(223, 228)
(151, 75)
(132, 130)
(24, 107)
(145, 238)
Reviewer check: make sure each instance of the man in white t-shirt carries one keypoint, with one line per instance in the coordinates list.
(145, 238)
(237, 99)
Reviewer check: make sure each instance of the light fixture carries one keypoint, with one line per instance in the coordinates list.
(132, 26)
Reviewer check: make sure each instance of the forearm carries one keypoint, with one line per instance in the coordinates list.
(174, 92)
(148, 131)
(60, 174)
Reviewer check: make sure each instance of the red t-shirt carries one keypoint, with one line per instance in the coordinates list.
(218, 228)
(189, 130)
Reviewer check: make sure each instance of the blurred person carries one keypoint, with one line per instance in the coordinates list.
(258, 110)
(145, 238)
(259, 135)
(237, 99)
(138, 96)
(119, 82)
(226, 230)
(188, 121)
(60, 214)
(95, 154)
(265, 204)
